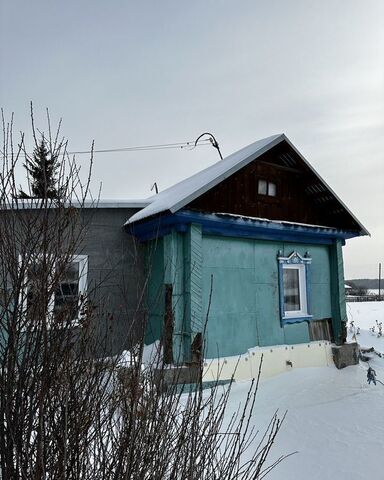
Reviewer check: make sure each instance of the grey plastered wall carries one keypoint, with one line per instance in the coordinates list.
(115, 277)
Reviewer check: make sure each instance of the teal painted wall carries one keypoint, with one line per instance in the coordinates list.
(193, 256)
(174, 267)
(155, 289)
(244, 310)
(173, 260)
(339, 317)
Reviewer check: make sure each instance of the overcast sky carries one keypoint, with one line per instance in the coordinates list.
(150, 72)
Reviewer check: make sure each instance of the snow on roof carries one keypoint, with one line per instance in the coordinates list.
(177, 196)
(278, 222)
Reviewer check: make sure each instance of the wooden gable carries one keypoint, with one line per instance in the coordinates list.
(300, 195)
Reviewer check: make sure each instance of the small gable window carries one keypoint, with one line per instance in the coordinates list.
(294, 288)
(266, 187)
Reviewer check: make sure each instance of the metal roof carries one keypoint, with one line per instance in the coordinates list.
(117, 203)
(181, 194)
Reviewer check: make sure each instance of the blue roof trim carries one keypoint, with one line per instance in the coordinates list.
(237, 227)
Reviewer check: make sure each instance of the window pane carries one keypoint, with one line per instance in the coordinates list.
(72, 273)
(272, 189)
(291, 289)
(67, 294)
(262, 188)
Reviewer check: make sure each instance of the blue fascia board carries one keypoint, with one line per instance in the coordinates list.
(237, 227)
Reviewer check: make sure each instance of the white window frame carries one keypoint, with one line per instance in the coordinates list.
(303, 312)
(302, 265)
(82, 289)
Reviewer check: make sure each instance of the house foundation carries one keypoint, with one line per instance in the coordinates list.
(276, 360)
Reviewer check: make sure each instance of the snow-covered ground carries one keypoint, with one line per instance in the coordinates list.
(335, 419)
(364, 315)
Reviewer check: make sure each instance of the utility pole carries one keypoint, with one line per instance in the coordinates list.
(379, 281)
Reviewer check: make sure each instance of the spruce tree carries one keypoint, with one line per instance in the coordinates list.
(42, 169)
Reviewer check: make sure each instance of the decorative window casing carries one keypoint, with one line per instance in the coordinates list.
(294, 283)
(70, 295)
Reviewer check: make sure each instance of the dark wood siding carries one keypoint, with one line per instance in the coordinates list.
(300, 196)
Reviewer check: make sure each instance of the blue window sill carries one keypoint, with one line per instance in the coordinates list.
(291, 320)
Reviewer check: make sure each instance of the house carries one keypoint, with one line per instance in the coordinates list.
(245, 253)
(106, 269)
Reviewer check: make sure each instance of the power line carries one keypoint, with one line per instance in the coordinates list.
(138, 148)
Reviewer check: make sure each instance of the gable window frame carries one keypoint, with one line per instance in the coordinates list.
(82, 260)
(300, 264)
(266, 188)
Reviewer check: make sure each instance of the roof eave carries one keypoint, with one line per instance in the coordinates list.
(217, 224)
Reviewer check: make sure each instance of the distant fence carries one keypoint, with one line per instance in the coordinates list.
(364, 298)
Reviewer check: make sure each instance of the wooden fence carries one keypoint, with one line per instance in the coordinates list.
(364, 298)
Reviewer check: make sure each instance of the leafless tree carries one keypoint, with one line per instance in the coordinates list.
(69, 414)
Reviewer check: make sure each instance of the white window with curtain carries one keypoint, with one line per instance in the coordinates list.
(294, 287)
(295, 294)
